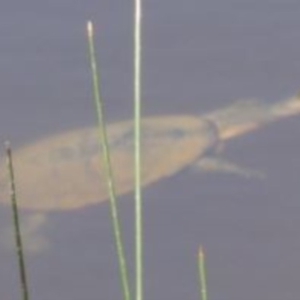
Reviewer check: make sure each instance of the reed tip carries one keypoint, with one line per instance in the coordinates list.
(89, 27)
(201, 252)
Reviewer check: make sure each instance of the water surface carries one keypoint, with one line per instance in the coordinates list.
(197, 57)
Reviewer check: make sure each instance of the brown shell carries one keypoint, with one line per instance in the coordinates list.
(65, 171)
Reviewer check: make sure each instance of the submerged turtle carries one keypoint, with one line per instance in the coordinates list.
(65, 171)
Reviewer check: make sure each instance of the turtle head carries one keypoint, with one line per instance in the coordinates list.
(287, 107)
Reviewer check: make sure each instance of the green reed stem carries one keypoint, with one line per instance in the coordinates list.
(108, 167)
(19, 247)
(202, 274)
(137, 142)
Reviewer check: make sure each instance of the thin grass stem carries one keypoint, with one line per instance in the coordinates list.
(137, 139)
(108, 167)
(18, 238)
(202, 274)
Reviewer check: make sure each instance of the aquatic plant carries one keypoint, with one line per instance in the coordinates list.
(16, 222)
(103, 139)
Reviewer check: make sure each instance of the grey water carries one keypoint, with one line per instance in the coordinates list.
(197, 56)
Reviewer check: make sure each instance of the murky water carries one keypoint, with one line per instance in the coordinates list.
(197, 57)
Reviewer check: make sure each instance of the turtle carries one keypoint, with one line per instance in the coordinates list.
(65, 171)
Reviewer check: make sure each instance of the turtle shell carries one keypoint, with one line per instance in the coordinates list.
(66, 171)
